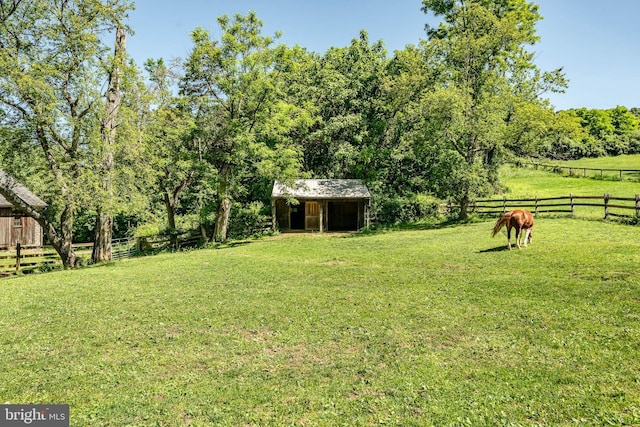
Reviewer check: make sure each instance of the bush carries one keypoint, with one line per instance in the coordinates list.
(616, 145)
(250, 220)
(407, 209)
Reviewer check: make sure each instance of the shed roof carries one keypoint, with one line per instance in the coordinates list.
(22, 191)
(322, 189)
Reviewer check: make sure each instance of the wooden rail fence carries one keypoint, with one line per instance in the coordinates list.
(162, 242)
(27, 259)
(631, 174)
(18, 259)
(611, 205)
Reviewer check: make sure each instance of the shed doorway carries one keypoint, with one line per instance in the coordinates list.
(343, 216)
(297, 216)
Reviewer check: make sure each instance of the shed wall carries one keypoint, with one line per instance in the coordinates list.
(17, 228)
(334, 214)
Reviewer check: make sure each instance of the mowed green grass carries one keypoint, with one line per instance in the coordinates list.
(417, 327)
(528, 182)
(626, 161)
(525, 182)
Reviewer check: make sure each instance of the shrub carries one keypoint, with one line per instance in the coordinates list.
(250, 220)
(406, 209)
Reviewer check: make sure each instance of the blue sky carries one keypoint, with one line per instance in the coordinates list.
(596, 42)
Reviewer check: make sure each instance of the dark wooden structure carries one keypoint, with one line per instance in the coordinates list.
(16, 227)
(321, 205)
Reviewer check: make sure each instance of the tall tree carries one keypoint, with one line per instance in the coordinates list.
(104, 218)
(50, 75)
(480, 46)
(175, 151)
(234, 86)
(345, 87)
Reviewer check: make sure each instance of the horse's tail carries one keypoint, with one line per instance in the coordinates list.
(500, 223)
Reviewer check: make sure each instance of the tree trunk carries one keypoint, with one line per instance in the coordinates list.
(224, 209)
(204, 233)
(102, 238)
(464, 206)
(64, 245)
(104, 220)
(222, 220)
(171, 213)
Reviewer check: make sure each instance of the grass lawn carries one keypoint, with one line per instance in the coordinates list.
(629, 162)
(524, 182)
(415, 327)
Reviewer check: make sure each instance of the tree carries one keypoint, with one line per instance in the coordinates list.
(480, 48)
(345, 88)
(50, 75)
(233, 84)
(108, 125)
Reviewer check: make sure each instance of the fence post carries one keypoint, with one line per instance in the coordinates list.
(17, 257)
(637, 204)
(536, 212)
(504, 204)
(571, 197)
(606, 205)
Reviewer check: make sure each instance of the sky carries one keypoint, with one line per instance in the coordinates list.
(597, 43)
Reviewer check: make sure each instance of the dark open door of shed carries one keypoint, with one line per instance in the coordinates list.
(343, 216)
(297, 216)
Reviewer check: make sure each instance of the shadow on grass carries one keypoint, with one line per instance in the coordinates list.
(231, 245)
(496, 249)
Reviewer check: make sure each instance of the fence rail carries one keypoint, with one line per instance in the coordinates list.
(18, 259)
(611, 205)
(162, 241)
(631, 174)
(27, 259)
(123, 248)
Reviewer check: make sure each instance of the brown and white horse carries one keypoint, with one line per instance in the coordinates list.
(518, 219)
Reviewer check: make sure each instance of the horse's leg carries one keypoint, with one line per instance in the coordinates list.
(518, 230)
(509, 236)
(527, 232)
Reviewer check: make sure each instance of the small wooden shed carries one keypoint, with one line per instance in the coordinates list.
(15, 227)
(323, 205)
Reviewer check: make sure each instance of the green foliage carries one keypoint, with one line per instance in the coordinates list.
(487, 77)
(345, 88)
(436, 118)
(407, 209)
(53, 64)
(235, 93)
(250, 220)
(574, 134)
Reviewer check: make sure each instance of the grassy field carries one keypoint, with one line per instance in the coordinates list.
(629, 162)
(417, 327)
(523, 182)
